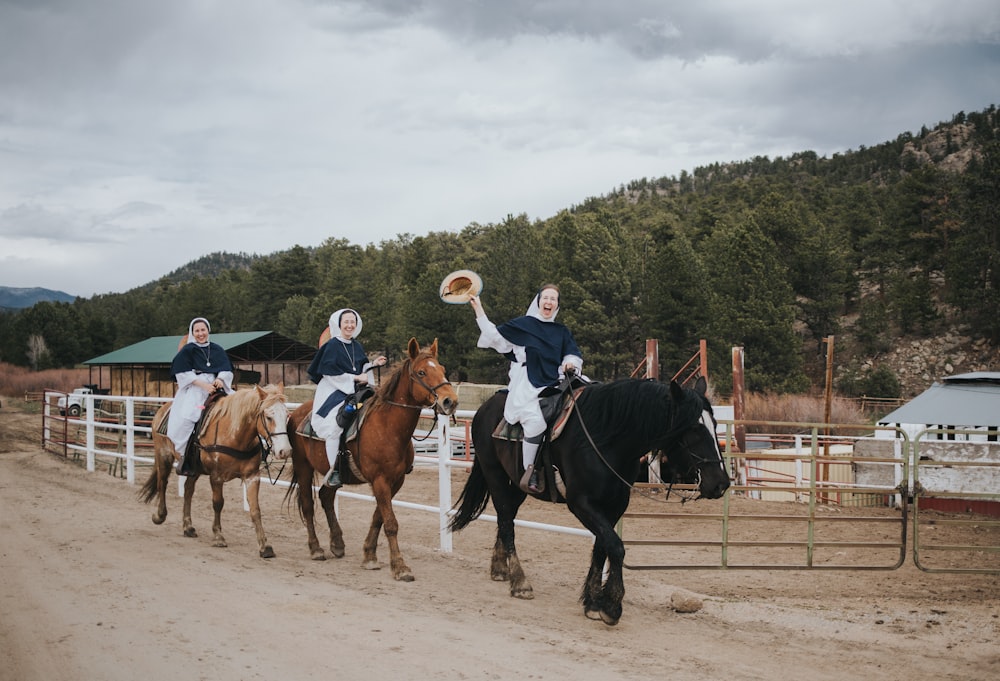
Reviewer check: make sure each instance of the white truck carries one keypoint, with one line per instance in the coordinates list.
(74, 403)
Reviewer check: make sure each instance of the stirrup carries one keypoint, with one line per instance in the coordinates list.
(531, 482)
(332, 478)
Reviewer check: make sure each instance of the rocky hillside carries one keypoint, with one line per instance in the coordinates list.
(917, 363)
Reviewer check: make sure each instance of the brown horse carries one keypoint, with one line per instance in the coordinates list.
(231, 441)
(381, 454)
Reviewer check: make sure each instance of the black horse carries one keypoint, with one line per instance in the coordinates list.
(598, 455)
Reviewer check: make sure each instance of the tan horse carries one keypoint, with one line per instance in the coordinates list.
(381, 454)
(231, 441)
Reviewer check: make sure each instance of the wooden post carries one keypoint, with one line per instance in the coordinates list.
(827, 409)
(739, 401)
(703, 357)
(652, 359)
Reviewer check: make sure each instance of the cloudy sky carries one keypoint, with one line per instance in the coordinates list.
(139, 135)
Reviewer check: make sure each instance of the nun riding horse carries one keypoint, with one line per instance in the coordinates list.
(381, 453)
(598, 457)
(230, 443)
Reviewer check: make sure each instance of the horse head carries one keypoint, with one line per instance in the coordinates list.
(694, 457)
(272, 421)
(431, 386)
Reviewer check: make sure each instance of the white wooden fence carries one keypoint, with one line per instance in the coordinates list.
(129, 419)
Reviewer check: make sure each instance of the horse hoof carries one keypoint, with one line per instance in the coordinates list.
(339, 552)
(523, 594)
(158, 519)
(608, 619)
(318, 555)
(371, 565)
(405, 577)
(220, 544)
(592, 614)
(498, 577)
(268, 552)
(190, 532)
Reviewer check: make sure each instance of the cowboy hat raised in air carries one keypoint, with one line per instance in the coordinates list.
(460, 286)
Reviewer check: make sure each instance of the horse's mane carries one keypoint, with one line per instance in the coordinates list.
(638, 407)
(399, 369)
(243, 405)
(389, 385)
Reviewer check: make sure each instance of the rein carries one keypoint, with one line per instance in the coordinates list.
(699, 460)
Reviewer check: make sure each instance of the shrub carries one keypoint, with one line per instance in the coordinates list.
(16, 381)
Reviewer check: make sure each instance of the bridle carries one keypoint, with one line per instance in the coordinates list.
(697, 463)
(268, 442)
(416, 378)
(265, 445)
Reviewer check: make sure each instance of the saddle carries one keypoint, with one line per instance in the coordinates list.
(351, 420)
(556, 407)
(557, 403)
(191, 464)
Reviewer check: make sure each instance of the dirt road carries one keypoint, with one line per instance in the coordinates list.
(91, 589)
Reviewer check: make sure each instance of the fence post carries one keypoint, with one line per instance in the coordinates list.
(444, 482)
(91, 432)
(130, 440)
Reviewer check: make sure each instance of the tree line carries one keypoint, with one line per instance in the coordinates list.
(770, 254)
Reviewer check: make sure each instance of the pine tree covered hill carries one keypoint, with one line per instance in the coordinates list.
(893, 250)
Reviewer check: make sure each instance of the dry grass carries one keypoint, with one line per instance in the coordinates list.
(799, 409)
(18, 381)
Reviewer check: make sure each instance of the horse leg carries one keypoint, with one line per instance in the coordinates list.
(370, 561)
(499, 572)
(614, 587)
(505, 563)
(218, 501)
(520, 587)
(385, 518)
(187, 525)
(162, 472)
(327, 496)
(253, 498)
(592, 586)
(603, 602)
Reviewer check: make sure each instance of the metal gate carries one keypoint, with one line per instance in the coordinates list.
(839, 500)
(956, 501)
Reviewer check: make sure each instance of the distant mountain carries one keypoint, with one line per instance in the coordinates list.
(209, 266)
(18, 298)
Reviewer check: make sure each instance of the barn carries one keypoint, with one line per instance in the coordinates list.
(954, 426)
(143, 369)
(961, 402)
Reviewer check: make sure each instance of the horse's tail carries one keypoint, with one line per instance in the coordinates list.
(148, 491)
(293, 485)
(473, 500)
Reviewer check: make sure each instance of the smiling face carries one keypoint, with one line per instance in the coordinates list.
(548, 303)
(348, 322)
(200, 331)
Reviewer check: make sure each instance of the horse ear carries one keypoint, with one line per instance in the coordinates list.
(701, 386)
(261, 393)
(433, 349)
(676, 391)
(413, 348)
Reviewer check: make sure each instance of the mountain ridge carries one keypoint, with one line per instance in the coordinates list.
(18, 298)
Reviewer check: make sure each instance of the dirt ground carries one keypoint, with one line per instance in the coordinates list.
(91, 589)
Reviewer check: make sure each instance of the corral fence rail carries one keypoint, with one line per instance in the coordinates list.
(837, 497)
